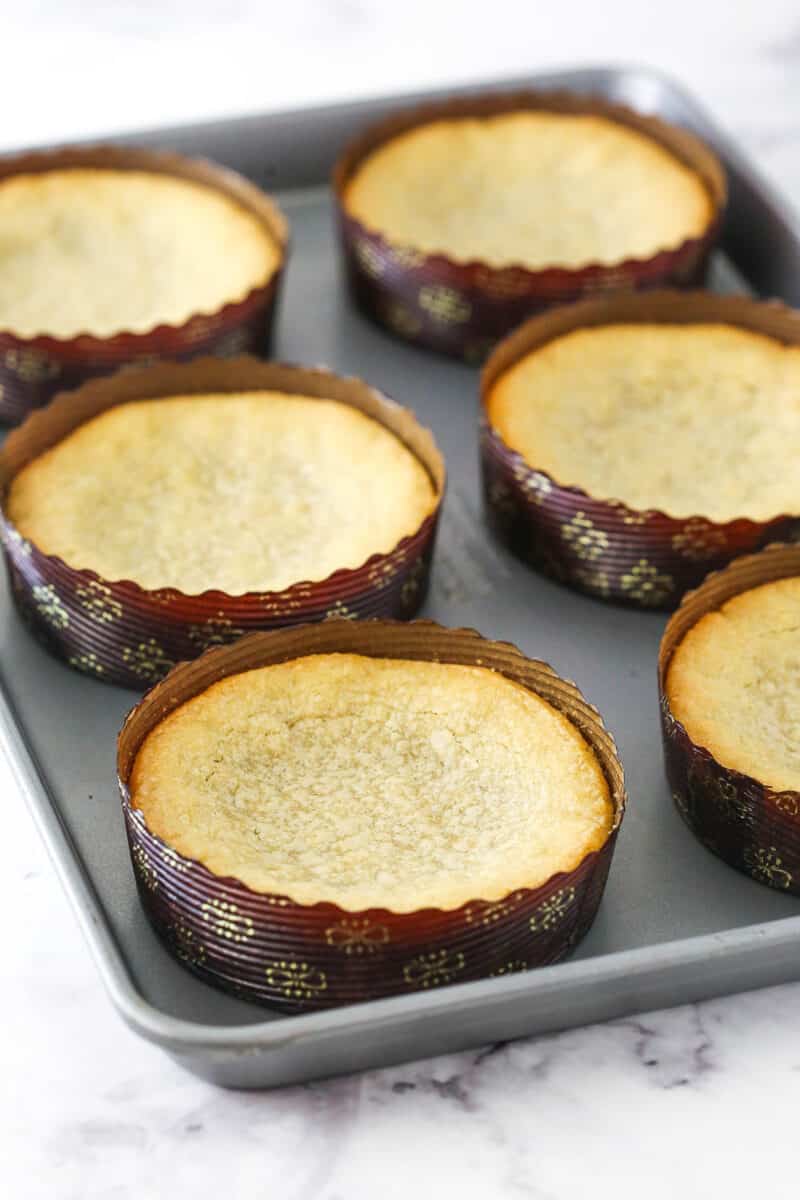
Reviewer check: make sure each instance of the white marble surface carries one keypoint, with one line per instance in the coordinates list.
(693, 1101)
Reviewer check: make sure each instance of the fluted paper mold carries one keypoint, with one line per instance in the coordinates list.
(123, 633)
(463, 309)
(34, 369)
(746, 823)
(271, 950)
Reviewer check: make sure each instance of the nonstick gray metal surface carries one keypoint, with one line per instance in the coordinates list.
(675, 923)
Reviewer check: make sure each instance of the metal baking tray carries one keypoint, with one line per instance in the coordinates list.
(675, 924)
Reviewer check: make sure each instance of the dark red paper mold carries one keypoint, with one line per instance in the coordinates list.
(645, 558)
(746, 823)
(272, 950)
(463, 309)
(34, 369)
(122, 633)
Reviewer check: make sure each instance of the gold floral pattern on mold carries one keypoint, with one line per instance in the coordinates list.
(630, 516)
(226, 920)
(147, 660)
(98, 602)
(406, 257)
(50, 606)
(444, 304)
(296, 980)
(167, 597)
(382, 573)
(30, 365)
(412, 584)
(216, 631)
(88, 663)
(341, 610)
(17, 543)
(698, 540)
(174, 861)
(282, 606)
(434, 968)
(145, 872)
(729, 800)
(357, 935)
(787, 802)
(593, 580)
(369, 258)
(766, 866)
(510, 968)
(187, 947)
(552, 911)
(585, 541)
(647, 584)
(400, 318)
(496, 910)
(536, 486)
(635, 518)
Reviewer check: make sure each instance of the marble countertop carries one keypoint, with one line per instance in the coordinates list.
(668, 1103)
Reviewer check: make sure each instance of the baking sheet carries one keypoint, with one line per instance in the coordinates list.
(675, 923)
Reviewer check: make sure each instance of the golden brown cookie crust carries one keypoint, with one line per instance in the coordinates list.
(692, 420)
(532, 189)
(244, 492)
(104, 251)
(734, 684)
(373, 783)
